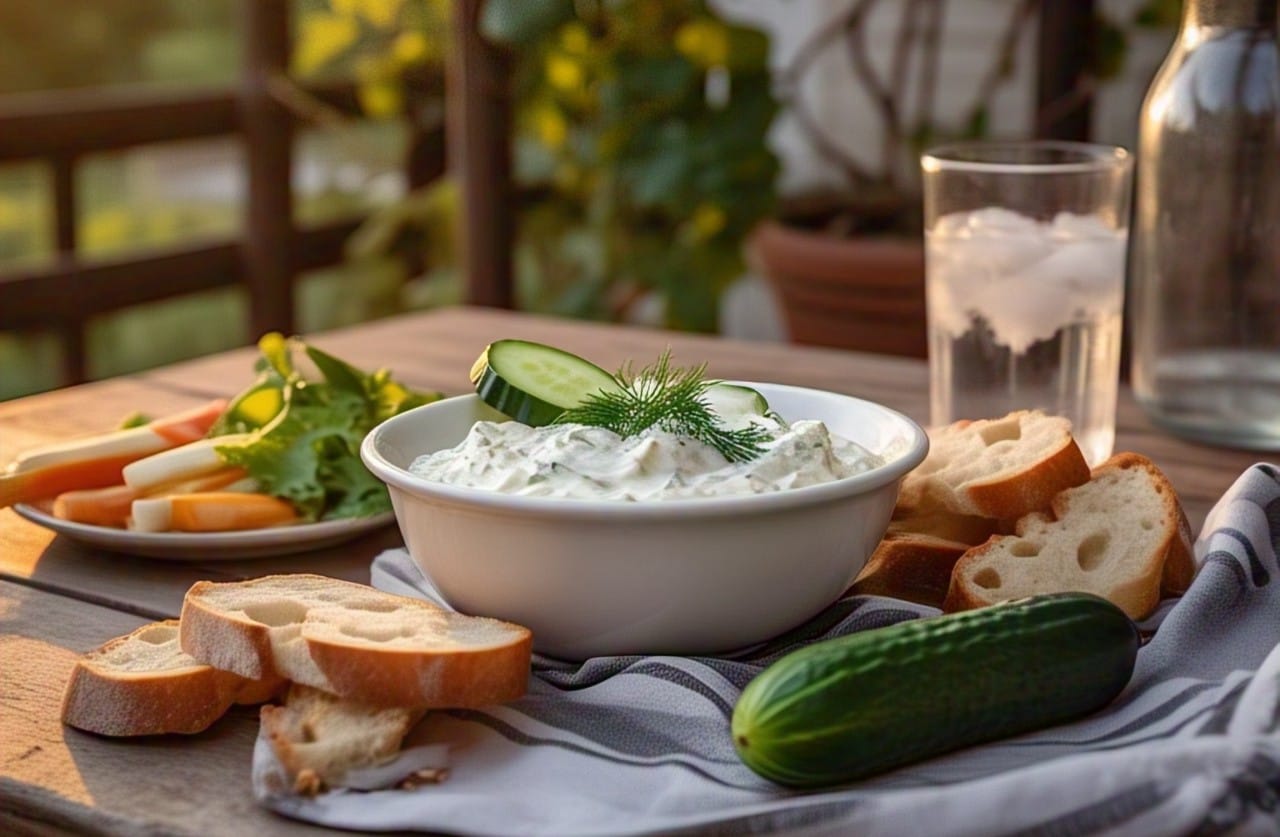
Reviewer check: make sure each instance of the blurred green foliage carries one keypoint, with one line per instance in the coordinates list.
(640, 141)
(645, 125)
(129, 202)
(381, 43)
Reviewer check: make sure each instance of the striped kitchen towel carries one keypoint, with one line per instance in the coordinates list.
(640, 745)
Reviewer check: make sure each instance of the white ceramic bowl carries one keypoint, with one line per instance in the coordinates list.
(687, 576)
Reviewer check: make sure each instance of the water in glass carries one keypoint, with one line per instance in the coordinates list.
(1025, 313)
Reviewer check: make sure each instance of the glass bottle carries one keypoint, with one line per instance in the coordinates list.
(1205, 278)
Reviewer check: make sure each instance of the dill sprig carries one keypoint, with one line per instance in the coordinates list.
(672, 399)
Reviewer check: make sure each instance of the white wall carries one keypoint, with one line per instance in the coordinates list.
(971, 35)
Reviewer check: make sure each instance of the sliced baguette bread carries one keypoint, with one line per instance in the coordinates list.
(999, 469)
(910, 566)
(143, 684)
(1122, 535)
(319, 737)
(919, 549)
(355, 642)
(937, 521)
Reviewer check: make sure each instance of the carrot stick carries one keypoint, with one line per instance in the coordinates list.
(96, 506)
(112, 506)
(188, 426)
(52, 480)
(222, 511)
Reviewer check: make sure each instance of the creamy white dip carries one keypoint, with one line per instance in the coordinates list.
(572, 460)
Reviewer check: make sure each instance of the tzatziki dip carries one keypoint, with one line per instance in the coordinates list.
(584, 462)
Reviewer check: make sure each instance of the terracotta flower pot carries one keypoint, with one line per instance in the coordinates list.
(865, 294)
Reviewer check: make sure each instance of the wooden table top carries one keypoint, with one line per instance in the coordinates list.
(59, 599)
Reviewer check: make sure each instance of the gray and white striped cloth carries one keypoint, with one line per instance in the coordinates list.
(638, 745)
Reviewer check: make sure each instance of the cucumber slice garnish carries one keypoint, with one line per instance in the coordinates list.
(534, 383)
(729, 400)
(736, 405)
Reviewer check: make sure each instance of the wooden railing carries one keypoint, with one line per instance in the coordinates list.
(60, 129)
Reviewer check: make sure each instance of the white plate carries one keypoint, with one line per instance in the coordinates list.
(210, 546)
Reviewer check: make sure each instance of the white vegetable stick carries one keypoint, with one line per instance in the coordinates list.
(155, 514)
(209, 512)
(132, 441)
(152, 515)
(181, 463)
(136, 440)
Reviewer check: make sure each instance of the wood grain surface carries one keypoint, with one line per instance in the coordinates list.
(59, 598)
(59, 779)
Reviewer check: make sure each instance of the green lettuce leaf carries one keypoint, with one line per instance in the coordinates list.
(307, 432)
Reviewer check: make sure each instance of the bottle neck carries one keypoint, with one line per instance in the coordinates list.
(1254, 14)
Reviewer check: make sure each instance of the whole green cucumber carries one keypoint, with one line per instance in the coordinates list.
(862, 704)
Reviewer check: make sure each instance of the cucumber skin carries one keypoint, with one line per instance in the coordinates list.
(499, 394)
(529, 409)
(855, 706)
(522, 407)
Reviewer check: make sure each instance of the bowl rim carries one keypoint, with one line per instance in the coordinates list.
(679, 507)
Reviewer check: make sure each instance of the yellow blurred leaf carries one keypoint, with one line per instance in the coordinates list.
(563, 72)
(575, 39)
(707, 220)
(550, 126)
(322, 37)
(410, 47)
(380, 13)
(704, 42)
(381, 98)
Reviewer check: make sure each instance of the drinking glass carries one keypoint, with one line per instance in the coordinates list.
(1025, 263)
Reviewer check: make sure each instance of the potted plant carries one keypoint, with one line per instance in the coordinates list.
(846, 259)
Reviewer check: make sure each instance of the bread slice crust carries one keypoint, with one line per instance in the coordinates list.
(937, 521)
(1122, 535)
(142, 684)
(356, 642)
(910, 566)
(997, 468)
